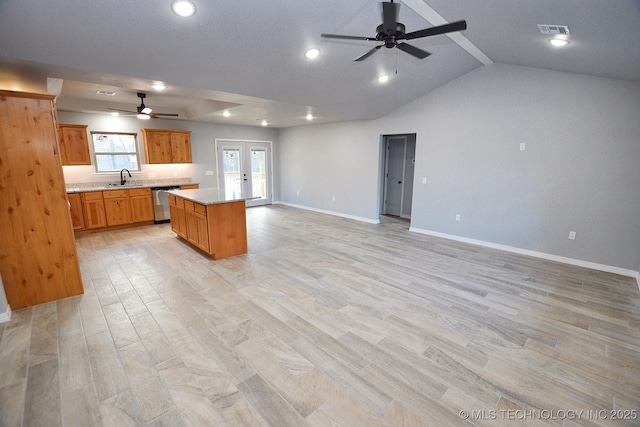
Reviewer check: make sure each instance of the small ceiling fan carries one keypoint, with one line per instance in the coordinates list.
(143, 112)
(391, 31)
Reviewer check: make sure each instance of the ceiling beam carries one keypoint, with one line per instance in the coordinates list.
(424, 10)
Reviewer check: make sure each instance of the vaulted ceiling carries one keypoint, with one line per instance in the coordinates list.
(247, 56)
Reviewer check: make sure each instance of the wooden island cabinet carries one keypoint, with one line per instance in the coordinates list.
(209, 222)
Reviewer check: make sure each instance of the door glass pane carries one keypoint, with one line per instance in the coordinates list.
(259, 173)
(231, 164)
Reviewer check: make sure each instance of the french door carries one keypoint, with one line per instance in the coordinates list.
(244, 169)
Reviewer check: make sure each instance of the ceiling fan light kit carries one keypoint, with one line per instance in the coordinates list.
(391, 33)
(143, 112)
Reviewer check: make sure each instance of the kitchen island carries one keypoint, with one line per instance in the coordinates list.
(209, 221)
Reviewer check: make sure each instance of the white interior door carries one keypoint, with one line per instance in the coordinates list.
(245, 170)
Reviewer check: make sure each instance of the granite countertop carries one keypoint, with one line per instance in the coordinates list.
(208, 196)
(105, 186)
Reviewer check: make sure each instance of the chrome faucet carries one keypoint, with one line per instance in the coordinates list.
(123, 180)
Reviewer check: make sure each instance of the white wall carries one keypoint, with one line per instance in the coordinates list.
(203, 136)
(579, 171)
(320, 162)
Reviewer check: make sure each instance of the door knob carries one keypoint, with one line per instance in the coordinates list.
(399, 182)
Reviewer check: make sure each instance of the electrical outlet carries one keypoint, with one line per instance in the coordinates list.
(523, 146)
(424, 180)
(208, 172)
(298, 193)
(333, 198)
(457, 217)
(572, 235)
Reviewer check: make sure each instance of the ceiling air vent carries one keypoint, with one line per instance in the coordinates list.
(105, 93)
(554, 29)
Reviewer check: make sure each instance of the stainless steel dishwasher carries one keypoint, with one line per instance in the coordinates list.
(161, 203)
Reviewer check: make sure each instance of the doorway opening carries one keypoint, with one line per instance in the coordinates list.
(397, 170)
(244, 168)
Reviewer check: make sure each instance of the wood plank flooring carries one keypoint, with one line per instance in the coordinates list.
(325, 322)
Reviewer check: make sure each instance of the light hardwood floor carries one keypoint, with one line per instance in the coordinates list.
(325, 322)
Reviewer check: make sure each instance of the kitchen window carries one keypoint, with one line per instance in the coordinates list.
(115, 151)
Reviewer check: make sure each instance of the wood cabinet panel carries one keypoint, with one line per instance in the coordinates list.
(75, 207)
(197, 232)
(177, 214)
(189, 187)
(167, 146)
(93, 206)
(227, 224)
(157, 146)
(117, 207)
(74, 145)
(38, 256)
(181, 147)
(141, 205)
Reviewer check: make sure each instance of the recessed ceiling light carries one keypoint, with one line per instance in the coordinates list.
(115, 113)
(312, 53)
(158, 86)
(559, 42)
(226, 113)
(383, 79)
(264, 123)
(183, 8)
(309, 116)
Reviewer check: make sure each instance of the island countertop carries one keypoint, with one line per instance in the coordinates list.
(208, 196)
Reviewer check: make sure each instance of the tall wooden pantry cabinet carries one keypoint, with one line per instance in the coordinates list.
(38, 256)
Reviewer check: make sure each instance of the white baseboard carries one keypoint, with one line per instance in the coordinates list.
(542, 255)
(357, 218)
(6, 316)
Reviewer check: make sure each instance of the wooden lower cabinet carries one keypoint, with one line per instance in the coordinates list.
(117, 207)
(93, 206)
(77, 213)
(141, 204)
(111, 208)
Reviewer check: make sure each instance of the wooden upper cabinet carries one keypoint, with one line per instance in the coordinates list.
(157, 146)
(74, 145)
(167, 146)
(181, 147)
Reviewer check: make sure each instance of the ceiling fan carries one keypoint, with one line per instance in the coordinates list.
(143, 112)
(391, 31)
